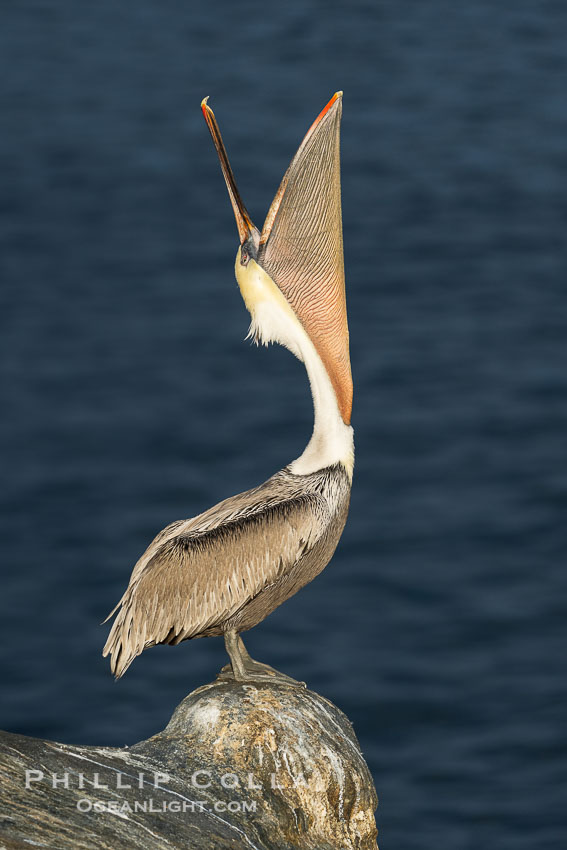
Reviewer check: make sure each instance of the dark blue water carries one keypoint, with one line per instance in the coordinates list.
(129, 398)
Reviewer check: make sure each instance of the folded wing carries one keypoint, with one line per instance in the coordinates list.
(194, 581)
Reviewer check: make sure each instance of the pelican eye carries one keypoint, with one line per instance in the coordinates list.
(244, 257)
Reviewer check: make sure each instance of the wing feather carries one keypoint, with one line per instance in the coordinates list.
(198, 574)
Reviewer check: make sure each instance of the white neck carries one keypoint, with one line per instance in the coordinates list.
(273, 320)
(332, 441)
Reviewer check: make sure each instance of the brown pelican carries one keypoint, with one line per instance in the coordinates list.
(224, 571)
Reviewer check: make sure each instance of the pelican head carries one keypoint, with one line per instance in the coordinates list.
(291, 274)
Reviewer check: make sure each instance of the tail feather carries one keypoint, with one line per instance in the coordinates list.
(121, 644)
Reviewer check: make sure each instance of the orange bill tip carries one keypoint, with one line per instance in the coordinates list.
(335, 97)
(205, 108)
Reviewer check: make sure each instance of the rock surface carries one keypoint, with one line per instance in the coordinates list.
(264, 765)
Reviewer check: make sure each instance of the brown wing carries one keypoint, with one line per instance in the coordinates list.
(194, 582)
(301, 247)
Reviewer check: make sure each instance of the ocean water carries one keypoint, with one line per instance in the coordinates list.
(129, 398)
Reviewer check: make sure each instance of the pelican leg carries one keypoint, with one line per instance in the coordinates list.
(244, 668)
(234, 646)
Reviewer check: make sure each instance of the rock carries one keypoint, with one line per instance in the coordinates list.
(266, 766)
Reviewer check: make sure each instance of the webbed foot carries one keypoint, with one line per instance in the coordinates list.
(243, 668)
